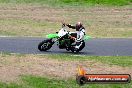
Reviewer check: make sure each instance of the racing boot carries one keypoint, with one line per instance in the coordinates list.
(78, 44)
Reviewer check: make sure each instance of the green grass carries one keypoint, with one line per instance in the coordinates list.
(38, 82)
(45, 82)
(73, 2)
(111, 60)
(29, 81)
(10, 85)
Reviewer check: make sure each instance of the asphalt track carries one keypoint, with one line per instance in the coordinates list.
(96, 47)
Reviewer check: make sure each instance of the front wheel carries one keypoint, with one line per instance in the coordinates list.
(45, 45)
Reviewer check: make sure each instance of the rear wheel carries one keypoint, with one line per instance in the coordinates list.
(45, 45)
(82, 46)
(75, 50)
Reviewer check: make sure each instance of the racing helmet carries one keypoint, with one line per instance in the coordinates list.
(78, 25)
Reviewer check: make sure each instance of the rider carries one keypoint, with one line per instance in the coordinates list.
(80, 33)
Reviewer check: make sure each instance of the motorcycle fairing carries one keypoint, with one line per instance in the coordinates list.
(86, 37)
(52, 36)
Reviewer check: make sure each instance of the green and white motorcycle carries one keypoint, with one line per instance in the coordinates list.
(64, 39)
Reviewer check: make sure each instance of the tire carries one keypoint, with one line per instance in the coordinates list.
(67, 49)
(81, 80)
(82, 46)
(45, 45)
(74, 50)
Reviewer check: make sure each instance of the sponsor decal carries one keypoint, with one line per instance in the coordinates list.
(83, 78)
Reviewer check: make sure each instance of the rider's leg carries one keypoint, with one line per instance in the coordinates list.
(80, 36)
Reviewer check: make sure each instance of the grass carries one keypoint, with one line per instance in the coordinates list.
(111, 60)
(44, 82)
(101, 18)
(9, 85)
(28, 27)
(25, 27)
(30, 81)
(36, 20)
(40, 17)
(73, 2)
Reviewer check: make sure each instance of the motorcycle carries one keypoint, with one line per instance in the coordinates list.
(65, 40)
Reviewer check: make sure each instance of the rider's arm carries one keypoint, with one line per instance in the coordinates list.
(70, 26)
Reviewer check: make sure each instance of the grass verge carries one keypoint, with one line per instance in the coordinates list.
(111, 60)
(25, 27)
(44, 68)
(72, 2)
(44, 82)
(19, 18)
(37, 20)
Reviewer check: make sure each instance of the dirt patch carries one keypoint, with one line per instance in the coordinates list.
(11, 67)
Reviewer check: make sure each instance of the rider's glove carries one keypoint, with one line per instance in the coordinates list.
(68, 24)
(73, 38)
